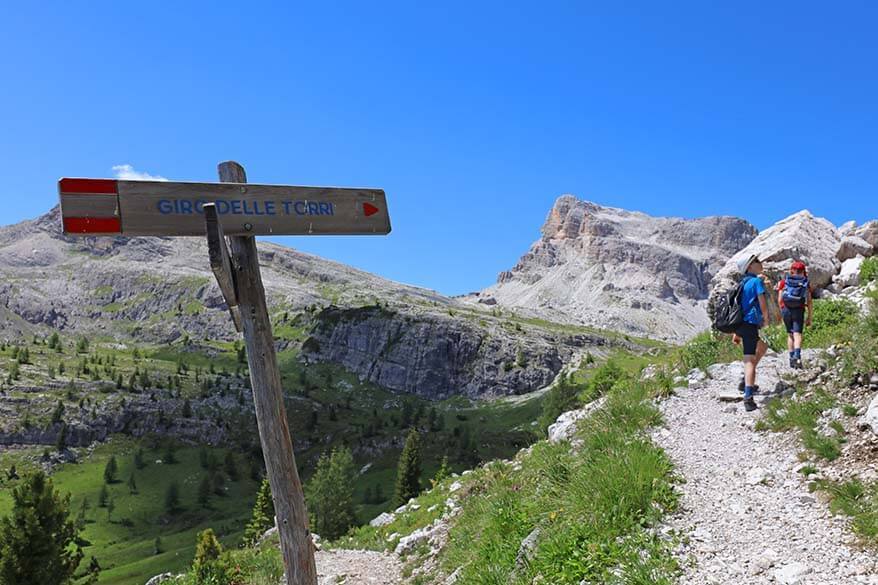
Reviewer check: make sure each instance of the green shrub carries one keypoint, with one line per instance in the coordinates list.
(708, 348)
(859, 501)
(560, 398)
(832, 322)
(869, 270)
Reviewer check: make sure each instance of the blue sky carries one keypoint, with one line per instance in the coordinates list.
(472, 116)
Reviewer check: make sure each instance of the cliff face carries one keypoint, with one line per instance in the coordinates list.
(438, 356)
(621, 270)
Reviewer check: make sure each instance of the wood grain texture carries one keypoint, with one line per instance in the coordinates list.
(89, 206)
(157, 208)
(220, 263)
(286, 488)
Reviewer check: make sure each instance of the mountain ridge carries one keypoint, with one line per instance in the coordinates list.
(620, 269)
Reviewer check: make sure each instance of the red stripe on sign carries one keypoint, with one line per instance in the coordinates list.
(92, 225)
(107, 186)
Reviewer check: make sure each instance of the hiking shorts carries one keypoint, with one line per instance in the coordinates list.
(794, 319)
(749, 334)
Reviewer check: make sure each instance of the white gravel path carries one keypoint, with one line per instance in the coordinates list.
(748, 513)
(357, 567)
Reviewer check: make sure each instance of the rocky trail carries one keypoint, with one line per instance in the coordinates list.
(747, 511)
(357, 567)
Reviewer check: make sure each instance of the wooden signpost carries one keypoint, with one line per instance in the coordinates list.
(162, 208)
(236, 209)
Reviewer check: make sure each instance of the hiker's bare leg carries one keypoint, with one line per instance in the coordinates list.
(751, 361)
(791, 341)
(797, 340)
(750, 370)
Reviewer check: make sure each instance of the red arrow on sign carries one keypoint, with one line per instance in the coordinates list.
(369, 209)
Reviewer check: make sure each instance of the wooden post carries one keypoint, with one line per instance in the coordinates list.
(220, 262)
(286, 488)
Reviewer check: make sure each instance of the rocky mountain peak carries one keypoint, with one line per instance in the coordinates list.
(619, 269)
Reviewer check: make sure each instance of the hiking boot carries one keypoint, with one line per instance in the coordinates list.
(749, 404)
(792, 363)
(799, 365)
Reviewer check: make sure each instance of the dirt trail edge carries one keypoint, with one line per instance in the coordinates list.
(748, 513)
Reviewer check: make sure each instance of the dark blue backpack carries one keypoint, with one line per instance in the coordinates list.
(795, 292)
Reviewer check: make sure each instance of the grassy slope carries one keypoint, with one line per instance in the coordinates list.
(497, 429)
(126, 552)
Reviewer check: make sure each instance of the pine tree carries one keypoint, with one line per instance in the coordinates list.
(138, 459)
(187, 409)
(81, 515)
(204, 492)
(53, 340)
(255, 470)
(110, 470)
(61, 441)
(170, 456)
(82, 345)
(103, 496)
(132, 484)
(560, 398)
(231, 466)
(442, 473)
(111, 505)
(203, 458)
(14, 371)
(263, 514)
(157, 546)
(207, 551)
(330, 494)
(58, 413)
(408, 472)
(219, 483)
(172, 498)
(38, 539)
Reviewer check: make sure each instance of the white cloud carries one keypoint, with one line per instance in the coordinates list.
(129, 173)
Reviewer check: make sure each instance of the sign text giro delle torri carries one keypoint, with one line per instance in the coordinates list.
(161, 208)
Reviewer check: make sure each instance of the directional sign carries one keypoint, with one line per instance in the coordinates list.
(161, 208)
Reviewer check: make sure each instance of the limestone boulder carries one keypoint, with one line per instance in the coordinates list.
(801, 236)
(846, 228)
(870, 419)
(869, 232)
(853, 246)
(849, 275)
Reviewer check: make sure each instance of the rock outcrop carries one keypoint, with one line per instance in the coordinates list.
(833, 255)
(621, 270)
(437, 356)
(801, 236)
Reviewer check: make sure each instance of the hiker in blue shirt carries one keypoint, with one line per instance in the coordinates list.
(755, 309)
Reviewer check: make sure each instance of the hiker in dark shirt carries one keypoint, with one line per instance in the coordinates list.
(755, 309)
(794, 298)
